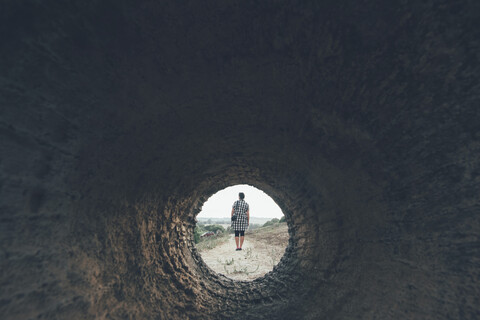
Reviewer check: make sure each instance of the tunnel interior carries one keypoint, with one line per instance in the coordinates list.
(120, 118)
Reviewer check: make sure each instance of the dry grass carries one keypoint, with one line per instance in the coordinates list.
(262, 250)
(277, 234)
(211, 242)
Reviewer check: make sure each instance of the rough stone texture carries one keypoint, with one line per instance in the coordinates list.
(119, 118)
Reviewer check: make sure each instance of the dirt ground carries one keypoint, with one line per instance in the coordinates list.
(263, 248)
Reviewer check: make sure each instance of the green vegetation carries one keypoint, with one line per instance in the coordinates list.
(271, 222)
(201, 229)
(197, 233)
(207, 243)
(204, 221)
(214, 228)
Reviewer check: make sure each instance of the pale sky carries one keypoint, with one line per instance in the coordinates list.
(220, 204)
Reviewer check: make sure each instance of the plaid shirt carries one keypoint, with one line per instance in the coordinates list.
(240, 208)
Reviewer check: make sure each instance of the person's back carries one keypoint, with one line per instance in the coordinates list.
(241, 211)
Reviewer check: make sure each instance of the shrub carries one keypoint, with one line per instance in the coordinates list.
(271, 222)
(215, 228)
(199, 230)
(282, 219)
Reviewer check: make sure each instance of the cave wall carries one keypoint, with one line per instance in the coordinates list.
(118, 119)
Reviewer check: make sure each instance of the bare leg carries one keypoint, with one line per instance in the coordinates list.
(241, 241)
(236, 241)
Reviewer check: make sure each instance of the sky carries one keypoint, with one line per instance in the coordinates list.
(220, 204)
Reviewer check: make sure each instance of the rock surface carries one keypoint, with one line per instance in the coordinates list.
(118, 119)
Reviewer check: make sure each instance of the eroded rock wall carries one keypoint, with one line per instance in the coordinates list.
(119, 118)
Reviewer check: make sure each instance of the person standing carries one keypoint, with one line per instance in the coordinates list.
(241, 221)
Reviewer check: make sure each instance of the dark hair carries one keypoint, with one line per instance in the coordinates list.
(241, 195)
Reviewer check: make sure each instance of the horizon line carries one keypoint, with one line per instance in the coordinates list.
(228, 217)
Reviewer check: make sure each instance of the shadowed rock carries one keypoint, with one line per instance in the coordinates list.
(119, 118)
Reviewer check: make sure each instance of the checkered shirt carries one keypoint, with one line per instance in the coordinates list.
(240, 208)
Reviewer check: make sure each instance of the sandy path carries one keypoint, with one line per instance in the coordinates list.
(261, 251)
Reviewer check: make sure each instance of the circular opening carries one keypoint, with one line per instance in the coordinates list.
(219, 240)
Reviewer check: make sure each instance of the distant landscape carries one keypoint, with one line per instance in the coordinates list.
(226, 220)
